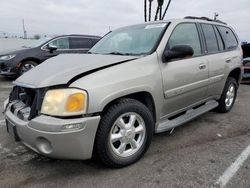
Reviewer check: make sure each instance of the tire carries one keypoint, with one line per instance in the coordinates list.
(123, 152)
(227, 99)
(26, 66)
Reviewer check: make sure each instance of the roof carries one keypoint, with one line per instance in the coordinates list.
(204, 18)
(181, 20)
(79, 35)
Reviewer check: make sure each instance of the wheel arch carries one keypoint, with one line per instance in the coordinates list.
(236, 73)
(144, 97)
(31, 59)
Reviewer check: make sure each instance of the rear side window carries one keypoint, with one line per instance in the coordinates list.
(228, 37)
(210, 38)
(186, 34)
(80, 43)
(219, 39)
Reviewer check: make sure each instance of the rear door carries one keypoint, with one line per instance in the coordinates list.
(214, 48)
(222, 58)
(80, 44)
(185, 81)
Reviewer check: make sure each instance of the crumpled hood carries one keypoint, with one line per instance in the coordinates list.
(61, 69)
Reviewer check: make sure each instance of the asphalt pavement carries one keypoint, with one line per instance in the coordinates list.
(210, 150)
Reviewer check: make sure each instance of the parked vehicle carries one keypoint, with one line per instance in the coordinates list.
(246, 50)
(136, 81)
(246, 75)
(17, 62)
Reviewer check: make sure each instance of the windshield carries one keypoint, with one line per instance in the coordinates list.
(134, 40)
(38, 42)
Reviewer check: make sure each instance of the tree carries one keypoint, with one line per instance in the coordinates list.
(166, 9)
(145, 10)
(158, 14)
(150, 7)
(159, 9)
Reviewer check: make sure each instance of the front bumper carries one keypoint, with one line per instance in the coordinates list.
(6, 69)
(48, 136)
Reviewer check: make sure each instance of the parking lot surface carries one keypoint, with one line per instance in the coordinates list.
(195, 155)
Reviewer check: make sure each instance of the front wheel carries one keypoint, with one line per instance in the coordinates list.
(124, 133)
(228, 96)
(26, 66)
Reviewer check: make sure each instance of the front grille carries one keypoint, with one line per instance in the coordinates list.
(25, 102)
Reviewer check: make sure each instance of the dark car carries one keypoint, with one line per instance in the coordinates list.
(246, 75)
(246, 50)
(16, 62)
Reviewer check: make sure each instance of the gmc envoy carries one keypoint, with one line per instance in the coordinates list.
(136, 81)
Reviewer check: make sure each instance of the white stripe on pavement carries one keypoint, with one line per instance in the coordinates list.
(231, 171)
(2, 122)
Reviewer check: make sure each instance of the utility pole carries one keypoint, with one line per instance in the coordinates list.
(215, 16)
(24, 30)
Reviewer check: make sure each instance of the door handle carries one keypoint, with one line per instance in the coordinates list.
(202, 66)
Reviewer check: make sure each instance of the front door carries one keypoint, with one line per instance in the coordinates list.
(185, 81)
(62, 45)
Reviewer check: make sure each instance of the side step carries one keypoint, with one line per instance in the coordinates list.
(189, 115)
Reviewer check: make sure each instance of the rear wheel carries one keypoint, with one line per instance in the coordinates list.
(124, 134)
(26, 66)
(228, 96)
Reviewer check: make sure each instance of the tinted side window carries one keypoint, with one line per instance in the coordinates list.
(210, 38)
(229, 37)
(61, 43)
(219, 39)
(80, 43)
(186, 34)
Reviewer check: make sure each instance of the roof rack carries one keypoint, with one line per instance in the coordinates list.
(204, 18)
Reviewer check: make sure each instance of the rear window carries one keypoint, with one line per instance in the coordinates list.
(228, 37)
(80, 43)
(210, 38)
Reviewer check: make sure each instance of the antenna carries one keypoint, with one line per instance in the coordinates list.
(24, 31)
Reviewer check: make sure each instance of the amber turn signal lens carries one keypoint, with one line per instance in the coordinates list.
(76, 103)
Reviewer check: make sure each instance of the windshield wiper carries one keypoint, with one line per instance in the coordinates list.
(124, 54)
(116, 53)
(91, 52)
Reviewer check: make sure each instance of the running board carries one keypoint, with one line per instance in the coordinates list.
(189, 115)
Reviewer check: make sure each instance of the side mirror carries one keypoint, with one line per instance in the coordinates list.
(178, 52)
(51, 48)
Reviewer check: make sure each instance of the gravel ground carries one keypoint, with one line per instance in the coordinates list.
(194, 155)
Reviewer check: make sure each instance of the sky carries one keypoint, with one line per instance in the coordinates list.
(98, 16)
